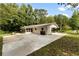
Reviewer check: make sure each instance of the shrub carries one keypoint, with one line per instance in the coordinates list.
(1, 43)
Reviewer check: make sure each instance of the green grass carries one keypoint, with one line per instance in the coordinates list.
(1, 43)
(71, 32)
(66, 46)
(2, 33)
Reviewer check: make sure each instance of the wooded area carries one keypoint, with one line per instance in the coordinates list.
(13, 17)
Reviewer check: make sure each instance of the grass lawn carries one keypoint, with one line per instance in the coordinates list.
(2, 33)
(66, 46)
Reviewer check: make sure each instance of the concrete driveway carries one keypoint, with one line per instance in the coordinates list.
(24, 44)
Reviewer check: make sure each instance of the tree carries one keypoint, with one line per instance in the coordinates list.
(7, 11)
(22, 13)
(13, 17)
(41, 15)
(50, 19)
(61, 20)
(74, 21)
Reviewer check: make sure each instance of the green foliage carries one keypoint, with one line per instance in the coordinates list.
(8, 13)
(74, 21)
(1, 32)
(1, 44)
(40, 16)
(62, 21)
(12, 16)
(50, 19)
(73, 24)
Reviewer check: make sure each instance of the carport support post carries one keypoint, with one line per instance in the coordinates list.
(48, 30)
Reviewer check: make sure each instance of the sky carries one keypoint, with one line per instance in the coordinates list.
(52, 8)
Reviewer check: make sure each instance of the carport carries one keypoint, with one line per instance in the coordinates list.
(42, 29)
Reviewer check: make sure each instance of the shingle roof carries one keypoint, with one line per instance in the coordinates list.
(47, 24)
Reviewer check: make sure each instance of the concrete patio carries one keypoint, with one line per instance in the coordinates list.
(24, 44)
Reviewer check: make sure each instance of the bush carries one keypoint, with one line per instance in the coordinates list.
(2, 32)
(1, 43)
